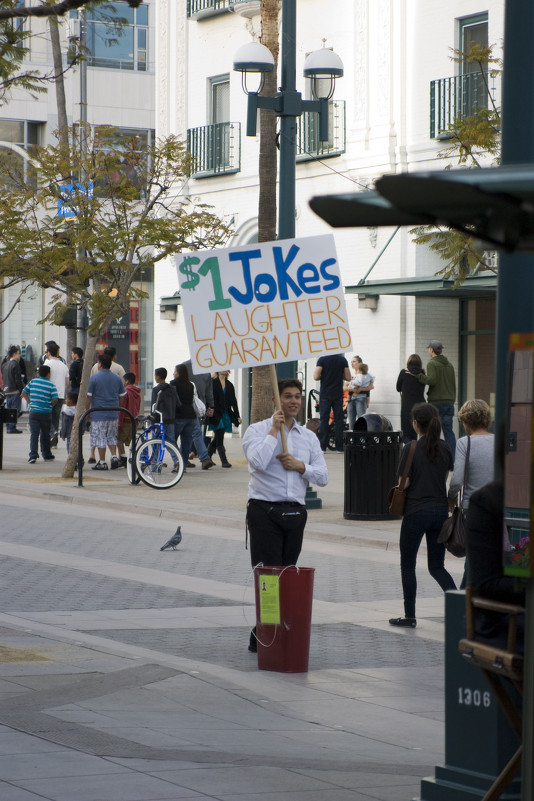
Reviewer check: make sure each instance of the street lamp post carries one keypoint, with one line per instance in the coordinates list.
(323, 67)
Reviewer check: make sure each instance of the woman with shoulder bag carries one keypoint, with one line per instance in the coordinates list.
(475, 416)
(426, 507)
(225, 412)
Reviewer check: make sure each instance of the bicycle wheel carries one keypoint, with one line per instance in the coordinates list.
(159, 466)
(129, 464)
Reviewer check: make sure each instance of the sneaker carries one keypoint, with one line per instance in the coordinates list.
(207, 463)
(32, 459)
(49, 458)
(91, 461)
(405, 622)
(114, 463)
(123, 461)
(100, 466)
(190, 464)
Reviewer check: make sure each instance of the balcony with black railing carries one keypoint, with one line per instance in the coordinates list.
(216, 149)
(197, 9)
(459, 96)
(309, 147)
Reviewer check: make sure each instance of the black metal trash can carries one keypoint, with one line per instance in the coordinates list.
(371, 463)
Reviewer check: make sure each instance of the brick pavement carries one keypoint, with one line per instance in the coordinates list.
(131, 680)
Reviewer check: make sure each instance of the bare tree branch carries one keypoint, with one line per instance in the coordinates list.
(51, 10)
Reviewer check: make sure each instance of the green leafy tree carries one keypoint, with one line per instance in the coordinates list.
(128, 214)
(472, 140)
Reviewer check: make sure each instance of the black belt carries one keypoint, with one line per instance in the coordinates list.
(275, 503)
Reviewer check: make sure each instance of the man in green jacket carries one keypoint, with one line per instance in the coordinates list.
(441, 389)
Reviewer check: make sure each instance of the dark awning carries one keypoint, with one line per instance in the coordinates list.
(429, 287)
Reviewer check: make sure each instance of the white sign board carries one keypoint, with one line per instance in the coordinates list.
(263, 303)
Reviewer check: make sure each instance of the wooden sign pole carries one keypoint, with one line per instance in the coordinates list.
(276, 395)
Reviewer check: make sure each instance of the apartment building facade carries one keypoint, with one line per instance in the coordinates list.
(389, 114)
(120, 73)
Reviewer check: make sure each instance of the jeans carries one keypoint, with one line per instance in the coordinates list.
(426, 522)
(198, 441)
(183, 428)
(56, 414)
(40, 425)
(13, 401)
(446, 413)
(336, 404)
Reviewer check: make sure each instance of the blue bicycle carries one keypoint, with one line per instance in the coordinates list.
(158, 462)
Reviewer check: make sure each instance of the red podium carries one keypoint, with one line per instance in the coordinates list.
(283, 617)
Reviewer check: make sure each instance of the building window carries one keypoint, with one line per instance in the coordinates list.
(136, 141)
(17, 136)
(117, 36)
(474, 87)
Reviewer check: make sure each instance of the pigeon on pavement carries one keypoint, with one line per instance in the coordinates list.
(174, 540)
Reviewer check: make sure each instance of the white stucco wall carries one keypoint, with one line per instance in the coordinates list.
(391, 50)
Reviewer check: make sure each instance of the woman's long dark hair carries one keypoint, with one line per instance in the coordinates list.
(414, 362)
(427, 418)
(183, 375)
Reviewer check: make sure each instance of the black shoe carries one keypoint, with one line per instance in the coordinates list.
(225, 464)
(49, 458)
(190, 464)
(16, 431)
(114, 463)
(405, 622)
(32, 459)
(253, 642)
(123, 461)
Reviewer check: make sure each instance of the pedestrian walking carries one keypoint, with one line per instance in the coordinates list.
(204, 385)
(441, 382)
(225, 413)
(426, 507)
(13, 385)
(42, 396)
(185, 413)
(331, 371)
(411, 392)
(105, 389)
(59, 375)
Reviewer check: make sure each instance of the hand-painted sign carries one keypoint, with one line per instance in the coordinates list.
(68, 197)
(263, 303)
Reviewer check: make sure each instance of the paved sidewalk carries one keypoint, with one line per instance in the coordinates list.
(198, 493)
(124, 674)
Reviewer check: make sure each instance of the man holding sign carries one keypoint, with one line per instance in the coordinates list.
(276, 511)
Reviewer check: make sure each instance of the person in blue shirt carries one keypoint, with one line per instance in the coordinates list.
(42, 396)
(105, 389)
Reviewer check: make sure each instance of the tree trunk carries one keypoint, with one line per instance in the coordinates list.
(262, 393)
(61, 103)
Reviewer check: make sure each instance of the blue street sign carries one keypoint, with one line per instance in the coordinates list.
(69, 192)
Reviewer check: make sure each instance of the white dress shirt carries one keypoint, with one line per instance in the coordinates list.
(269, 481)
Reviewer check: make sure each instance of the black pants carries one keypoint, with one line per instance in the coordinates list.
(276, 531)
